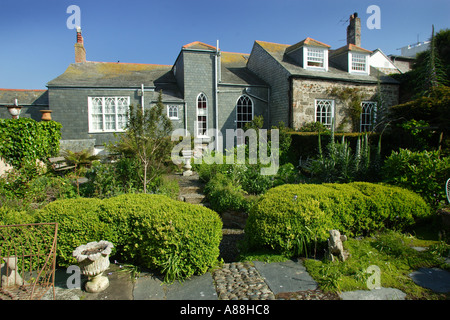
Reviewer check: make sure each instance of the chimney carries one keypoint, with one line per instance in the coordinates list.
(80, 51)
(354, 30)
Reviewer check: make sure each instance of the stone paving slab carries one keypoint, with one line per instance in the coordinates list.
(435, 279)
(374, 294)
(288, 276)
(196, 288)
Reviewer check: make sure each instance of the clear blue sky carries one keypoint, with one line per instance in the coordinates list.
(36, 45)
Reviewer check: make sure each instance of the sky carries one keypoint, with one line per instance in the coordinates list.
(36, 36)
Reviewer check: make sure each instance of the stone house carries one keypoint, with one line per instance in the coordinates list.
(207, 89)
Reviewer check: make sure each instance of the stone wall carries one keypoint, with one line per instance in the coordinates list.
(306, 91)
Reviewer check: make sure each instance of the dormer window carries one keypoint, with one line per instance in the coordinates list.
(358, 62)
(310, 54)
(315, 58)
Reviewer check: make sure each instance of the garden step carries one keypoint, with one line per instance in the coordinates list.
(193, 198)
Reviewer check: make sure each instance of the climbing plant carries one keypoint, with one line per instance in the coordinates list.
(24, 140)
(352, 98)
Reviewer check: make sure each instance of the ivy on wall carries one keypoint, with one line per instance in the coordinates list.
(25, 140)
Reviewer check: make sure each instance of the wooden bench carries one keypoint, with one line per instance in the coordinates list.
(59, 164)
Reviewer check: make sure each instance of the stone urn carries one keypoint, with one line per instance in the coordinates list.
(187, 155)
(93, 260)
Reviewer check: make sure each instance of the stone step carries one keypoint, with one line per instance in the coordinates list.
(193, 198)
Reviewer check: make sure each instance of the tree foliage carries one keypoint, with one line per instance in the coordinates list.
(147, 138)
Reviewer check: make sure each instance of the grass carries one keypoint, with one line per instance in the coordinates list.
(392, 252)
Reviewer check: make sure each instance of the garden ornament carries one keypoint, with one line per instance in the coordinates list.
(10, 276)
(335, 247)
(93, 260)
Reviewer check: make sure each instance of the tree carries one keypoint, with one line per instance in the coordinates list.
(429, 71)
(147, 137)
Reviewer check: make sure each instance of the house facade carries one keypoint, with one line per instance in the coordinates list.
(208, 90)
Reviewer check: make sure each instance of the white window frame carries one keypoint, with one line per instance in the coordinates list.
(320, 103)
(92, 128)
(368, 109)
(352, 62)
(204, 114)
(174, 115)
(315, 54)
(251, 114)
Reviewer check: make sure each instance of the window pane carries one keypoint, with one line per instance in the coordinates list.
(358, 62)
(315, 57)
(324, 112)
(104, 111)
(368, 109)
(244, 111)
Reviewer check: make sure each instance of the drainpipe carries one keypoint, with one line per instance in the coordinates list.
(142, 98)
(185, 120)
(216, 90)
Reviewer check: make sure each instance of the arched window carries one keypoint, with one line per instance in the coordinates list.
(244, 111)
(368, 109)
(202, 114)
(324, 112)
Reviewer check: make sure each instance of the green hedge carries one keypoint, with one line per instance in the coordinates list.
(423, 172)
(176, 238)
(304, 145)
(25, 140)
(291, 219)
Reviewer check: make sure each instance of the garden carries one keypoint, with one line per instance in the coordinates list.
(384, 190)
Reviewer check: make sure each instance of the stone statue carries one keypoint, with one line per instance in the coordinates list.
(10, 276)
(335, 247)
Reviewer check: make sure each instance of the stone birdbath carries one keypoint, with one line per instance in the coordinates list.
(93, 260)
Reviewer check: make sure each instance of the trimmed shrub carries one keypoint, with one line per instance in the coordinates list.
(224, 194)
(176, 238)
(78, 223)
(10, 216)
(422, 172)
(291, 219)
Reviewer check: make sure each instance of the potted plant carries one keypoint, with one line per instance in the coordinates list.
(93, 260)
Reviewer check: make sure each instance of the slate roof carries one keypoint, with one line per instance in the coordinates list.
(277, 51)
(234, 70)
(112, 75)
(233, 65)
(24, 97)
(308, 42)
(121, 75)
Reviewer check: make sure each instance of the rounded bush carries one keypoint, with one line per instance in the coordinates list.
(176, 238)
(291, 219)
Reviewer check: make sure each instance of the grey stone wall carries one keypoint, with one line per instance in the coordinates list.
(70, 106)
(306, 91)
(198, 70)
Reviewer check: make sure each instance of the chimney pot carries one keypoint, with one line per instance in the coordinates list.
(80, 51)
(354, 30)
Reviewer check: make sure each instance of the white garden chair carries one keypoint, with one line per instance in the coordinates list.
(447, 190)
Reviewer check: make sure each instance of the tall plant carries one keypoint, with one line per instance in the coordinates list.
(148, 139)
(338, 164)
